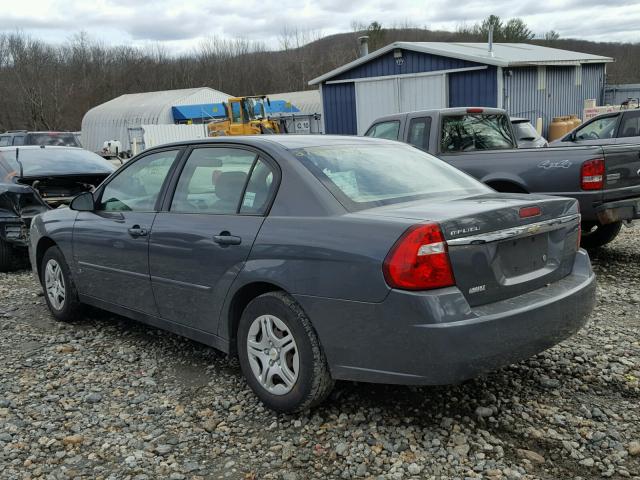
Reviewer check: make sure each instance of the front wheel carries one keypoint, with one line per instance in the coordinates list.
(596, 235)
(59, 290)
(280, 354)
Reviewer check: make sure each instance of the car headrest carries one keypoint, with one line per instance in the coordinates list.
(229, 185)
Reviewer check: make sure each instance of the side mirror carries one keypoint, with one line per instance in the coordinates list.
(83, 202)
(572, 137)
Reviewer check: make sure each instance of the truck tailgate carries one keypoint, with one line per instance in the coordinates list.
(622, 168)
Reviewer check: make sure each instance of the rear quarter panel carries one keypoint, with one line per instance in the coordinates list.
(333, 257)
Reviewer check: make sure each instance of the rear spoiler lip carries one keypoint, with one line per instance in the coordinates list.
(516, 232)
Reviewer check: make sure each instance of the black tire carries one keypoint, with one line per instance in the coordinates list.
(71, 308)
(314, 382)
(594, 236)
(7, 257)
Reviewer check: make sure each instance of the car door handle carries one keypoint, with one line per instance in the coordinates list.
(225, 238)
(136, 231)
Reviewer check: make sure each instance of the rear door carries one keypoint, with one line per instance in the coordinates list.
(111, 244)
(202, 239)
(418, 132)
(629, 129)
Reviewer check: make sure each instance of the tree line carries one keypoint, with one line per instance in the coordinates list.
(50, 87)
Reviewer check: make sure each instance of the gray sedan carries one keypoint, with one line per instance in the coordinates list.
(317, 258)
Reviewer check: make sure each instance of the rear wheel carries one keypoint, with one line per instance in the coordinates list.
(6, 257)
(59, 290)
(596, 235)
(280, 354)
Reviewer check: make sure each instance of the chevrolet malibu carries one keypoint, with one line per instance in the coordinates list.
(321, 258)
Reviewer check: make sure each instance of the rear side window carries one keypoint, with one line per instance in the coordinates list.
(419, 131)
(468, 132)
(387, 130)
(630, 125)
(18, 140)
(5, 141)
(214, 180)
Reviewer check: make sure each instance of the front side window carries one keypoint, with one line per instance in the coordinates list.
(630, 125)
(214, 180)
(468, 132)
(598, 129)
(419, 130)
(138, 186)
(5, 141)
(387, 130)
(365, 176)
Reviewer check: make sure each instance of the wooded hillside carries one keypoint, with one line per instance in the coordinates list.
(50, 87)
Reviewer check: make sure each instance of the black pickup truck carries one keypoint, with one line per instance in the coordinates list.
(480, 141)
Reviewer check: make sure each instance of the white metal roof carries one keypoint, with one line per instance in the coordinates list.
(111, 120)
(503, 55)
(307, 101)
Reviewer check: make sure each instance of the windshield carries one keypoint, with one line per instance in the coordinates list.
(254, 107)
(524, 131)
(463, 133)
(365, 176)
(51, 138)
(53, 161)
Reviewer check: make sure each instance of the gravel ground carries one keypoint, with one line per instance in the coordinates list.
(110, 398)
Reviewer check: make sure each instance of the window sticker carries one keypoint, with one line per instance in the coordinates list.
(249, 199)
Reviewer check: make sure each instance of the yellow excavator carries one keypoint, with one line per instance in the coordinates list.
(245, 116)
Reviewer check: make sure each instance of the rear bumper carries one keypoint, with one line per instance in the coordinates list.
(611, 212)
(435, 338)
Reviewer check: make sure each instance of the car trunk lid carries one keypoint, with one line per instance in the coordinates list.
(501, 246)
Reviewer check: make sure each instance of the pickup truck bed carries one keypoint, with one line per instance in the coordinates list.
(605, 179)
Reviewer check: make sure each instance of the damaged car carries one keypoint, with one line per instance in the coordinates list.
(34, 179)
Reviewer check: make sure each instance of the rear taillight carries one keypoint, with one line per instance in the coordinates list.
(528, 212)
(419, 260)
(592, 174)
(475, 110)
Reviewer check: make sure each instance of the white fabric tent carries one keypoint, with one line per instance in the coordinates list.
(113, 119)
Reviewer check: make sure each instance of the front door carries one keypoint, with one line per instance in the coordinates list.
(199, 246)
(111, 244)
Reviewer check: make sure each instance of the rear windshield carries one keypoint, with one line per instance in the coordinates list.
(52, 161)
(365, 176)
(51, 138)
(468, 132)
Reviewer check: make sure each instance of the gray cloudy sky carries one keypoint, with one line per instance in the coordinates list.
(182, 24)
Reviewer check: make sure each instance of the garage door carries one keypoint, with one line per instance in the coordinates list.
(422, 93)
(377, 98)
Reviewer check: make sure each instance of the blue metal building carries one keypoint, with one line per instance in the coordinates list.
(527, 80)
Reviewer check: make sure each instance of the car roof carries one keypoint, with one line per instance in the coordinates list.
(38, 147)
(286, 141)
(438, 111)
